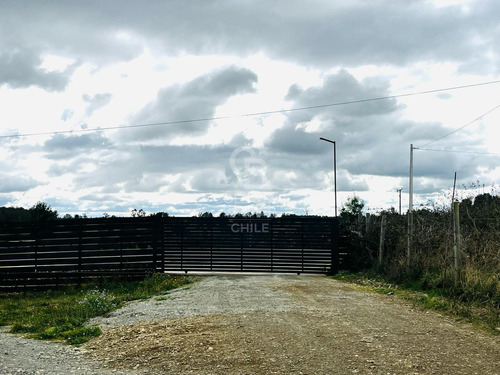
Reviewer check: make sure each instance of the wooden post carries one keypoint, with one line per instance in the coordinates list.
(382, 239)
(410, 211)
(367, 224)
(456, 234)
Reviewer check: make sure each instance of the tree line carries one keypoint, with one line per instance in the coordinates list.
(42, 211)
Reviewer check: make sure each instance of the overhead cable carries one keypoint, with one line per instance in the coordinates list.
(119, 127)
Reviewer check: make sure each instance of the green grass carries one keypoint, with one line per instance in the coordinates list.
(62, 314)
(470, 303)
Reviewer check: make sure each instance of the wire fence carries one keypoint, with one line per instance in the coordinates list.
(433, 238)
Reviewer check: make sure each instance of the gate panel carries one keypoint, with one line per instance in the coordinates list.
(290, 244)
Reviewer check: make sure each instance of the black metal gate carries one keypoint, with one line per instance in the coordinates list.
(287, 244)
(71, 252)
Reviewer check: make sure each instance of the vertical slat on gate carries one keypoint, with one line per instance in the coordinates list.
(302, 243)
(80, 224)
(335, 248)
(241, 250)
(211, 242)
(122, 233)
(272, 245)
(182, 244)
(162, 239)
(35, 232)
(157, 247)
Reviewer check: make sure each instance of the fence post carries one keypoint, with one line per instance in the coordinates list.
(382, 239)
(456, 234)
(335, 247)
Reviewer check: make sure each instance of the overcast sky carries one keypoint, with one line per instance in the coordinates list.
(188, 83)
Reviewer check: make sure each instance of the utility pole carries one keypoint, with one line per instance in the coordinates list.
(453, 194)
(399, 191)
(456, 234)
(410, 211)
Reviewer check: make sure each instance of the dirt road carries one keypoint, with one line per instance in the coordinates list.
(281, 324)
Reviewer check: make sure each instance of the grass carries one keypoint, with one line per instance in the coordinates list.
(469, 304)
(62, 314)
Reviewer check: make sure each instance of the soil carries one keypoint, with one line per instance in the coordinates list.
(282, 324)
(265, 324)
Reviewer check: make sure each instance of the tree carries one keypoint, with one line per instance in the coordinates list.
(138, 213)
(42, 212)
(205, 214)
(350, 211)
(14, 214)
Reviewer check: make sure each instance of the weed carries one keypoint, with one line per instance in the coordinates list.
(62, 314)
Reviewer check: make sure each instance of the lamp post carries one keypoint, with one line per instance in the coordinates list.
(334, 169)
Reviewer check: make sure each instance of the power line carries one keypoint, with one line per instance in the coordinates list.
(118, 127)
(457, 151)
(115, 127)
(460, 128)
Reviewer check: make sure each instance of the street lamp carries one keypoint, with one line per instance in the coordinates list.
(334, 169)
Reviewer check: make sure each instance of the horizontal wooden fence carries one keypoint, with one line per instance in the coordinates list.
(62, 252)
(74, 251)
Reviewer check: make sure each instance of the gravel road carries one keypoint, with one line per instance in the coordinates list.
(264, 324)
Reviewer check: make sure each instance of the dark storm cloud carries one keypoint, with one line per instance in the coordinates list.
(197, 99)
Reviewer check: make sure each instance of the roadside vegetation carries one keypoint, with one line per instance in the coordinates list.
(441, 299)
(63, 314)
(430, 280)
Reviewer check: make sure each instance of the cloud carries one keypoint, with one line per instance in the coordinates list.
(95, 102)
(134, 165)
(354, 127)
(13, 183)
(330, 33)
(197, 99)
(67, 147)
(371, 138)
(20, 68)
(67, 114)
(343, 87)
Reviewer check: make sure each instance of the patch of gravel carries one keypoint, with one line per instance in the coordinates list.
(224, 294)
(22, 356)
